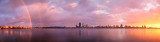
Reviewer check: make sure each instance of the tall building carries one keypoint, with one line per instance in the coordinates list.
(80, 25)
(121, 26)
(144, 26)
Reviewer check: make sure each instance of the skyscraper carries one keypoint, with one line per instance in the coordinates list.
(121, 26)
(80, 25)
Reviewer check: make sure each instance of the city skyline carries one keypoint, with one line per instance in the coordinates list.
(79, 20)
(79, 25)
(44, 13)
(83, 25)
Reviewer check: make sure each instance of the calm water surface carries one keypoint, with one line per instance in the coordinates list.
(79, 35)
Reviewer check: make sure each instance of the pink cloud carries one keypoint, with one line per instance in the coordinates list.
(93, 12)
(73, 4)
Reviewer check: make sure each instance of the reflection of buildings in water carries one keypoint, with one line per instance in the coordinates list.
(112, 34)
(6, 32)
(16, 34)
(82, 34)
(121, 33)
(79, 33)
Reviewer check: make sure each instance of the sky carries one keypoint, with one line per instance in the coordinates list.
(70, 12)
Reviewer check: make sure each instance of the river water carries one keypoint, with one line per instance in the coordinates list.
(79, 35)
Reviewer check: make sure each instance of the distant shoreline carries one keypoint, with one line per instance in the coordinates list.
(16, 28)
(80, 28)
(93, 28)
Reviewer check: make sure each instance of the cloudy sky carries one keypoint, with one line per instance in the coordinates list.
(70, 12)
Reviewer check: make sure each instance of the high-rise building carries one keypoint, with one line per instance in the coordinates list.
(80, 25)
(121, 26)
(144, 26)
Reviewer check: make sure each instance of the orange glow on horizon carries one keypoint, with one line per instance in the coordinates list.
(155, 26)
(149, 25)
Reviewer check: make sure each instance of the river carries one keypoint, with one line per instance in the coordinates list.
(79, 35)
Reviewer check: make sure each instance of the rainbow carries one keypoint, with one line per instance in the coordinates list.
(28, 13)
